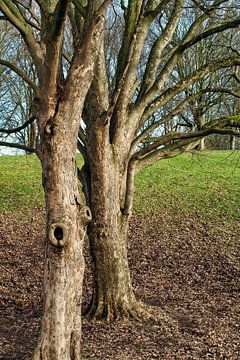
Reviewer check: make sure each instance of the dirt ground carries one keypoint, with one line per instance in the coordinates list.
(190, 270)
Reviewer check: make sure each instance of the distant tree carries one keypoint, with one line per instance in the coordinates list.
(16, 95)
(220, 90)
(229, 106)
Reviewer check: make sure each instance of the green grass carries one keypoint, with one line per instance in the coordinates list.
(204, 184)
(20, 184)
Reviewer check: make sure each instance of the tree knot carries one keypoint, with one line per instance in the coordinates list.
(86, 214)
(50, 127)
(58, 234)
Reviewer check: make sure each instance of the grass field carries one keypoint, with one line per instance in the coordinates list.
(204, 184)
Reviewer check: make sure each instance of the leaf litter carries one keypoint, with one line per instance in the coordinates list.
(188, 269)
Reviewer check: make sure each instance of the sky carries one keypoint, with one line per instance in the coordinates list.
(9, 151)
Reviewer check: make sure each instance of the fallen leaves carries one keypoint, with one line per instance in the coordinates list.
(188, 269)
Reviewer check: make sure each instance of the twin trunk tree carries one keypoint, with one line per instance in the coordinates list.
(74, 107)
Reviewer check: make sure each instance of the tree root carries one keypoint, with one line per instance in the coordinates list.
(134, 310)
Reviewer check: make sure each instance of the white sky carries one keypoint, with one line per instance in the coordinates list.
(9, 151)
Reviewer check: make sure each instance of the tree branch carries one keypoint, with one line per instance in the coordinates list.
(30, 10)
(13, 14)
(158, 47)
(177, 110)
(172, 61)
(80, 8)
(60, 14)
(19, 128)
(169, 151)
(19, 72)
(218, 126)
(211, 31)
(129, 188)
(17, 146)
(136, 30)
(169, 93)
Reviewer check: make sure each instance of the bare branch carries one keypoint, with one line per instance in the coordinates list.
(60, 17)
(17, 146)
(129, 188)
(173, 91)
(172, 61)
(19, 128)
(169, 151)
(102, 8)
(80, 8)
(13, 14)
(208, 32)
(19, 72)
(158, 47)
(218, 126)
(177, 110)
(30, 10)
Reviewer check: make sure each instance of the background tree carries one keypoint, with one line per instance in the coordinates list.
(16, 94)
(219, 89)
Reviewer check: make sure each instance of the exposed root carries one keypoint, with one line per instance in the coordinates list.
(136, 310)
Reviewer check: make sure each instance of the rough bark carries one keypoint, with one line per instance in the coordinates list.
(58, 106)
(113, 296)
(64, 264)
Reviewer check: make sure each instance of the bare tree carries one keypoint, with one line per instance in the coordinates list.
(216, 91)
(59, 96)
(122, 107)
(123, 128)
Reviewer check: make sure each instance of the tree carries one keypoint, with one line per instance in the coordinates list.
(118, 121)
(124, 109)
(57, 106)
(16, 95)
(219, 90)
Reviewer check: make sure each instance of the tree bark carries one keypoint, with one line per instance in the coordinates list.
(113, 296)
(64, 264)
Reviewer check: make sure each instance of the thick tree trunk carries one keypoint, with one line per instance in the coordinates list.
(113, 295)
(64, 264)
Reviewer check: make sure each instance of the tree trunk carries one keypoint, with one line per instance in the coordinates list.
(64, 264)
(232, 142)
(201, 122)
(113, 295)
(202, 144)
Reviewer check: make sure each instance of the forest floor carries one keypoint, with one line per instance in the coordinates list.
(187, 267)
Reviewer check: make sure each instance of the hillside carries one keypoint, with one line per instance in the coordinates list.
(183, 253)
(205, 184)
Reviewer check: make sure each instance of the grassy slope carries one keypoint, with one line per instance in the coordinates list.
(204, 185)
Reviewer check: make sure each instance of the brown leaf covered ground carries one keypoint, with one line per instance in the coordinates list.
(188, 269)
